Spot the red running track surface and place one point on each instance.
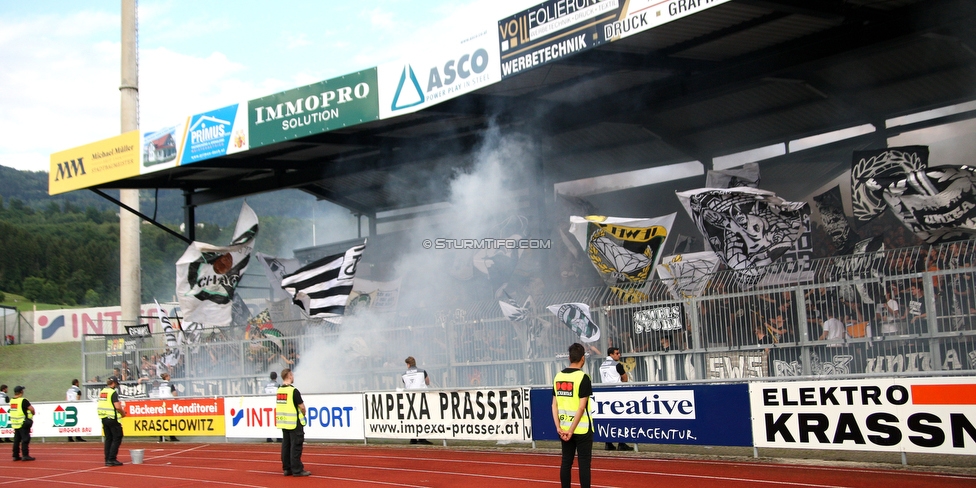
(342, 465)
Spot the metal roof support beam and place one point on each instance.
(140, 215)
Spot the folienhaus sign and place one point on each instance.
(327, 105)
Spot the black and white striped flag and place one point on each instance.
(322, 287)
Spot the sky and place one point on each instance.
(60, 59)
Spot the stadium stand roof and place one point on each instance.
(742, 75)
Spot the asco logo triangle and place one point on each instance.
(412, 97)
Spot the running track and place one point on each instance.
(258, 465)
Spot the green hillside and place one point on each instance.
(45, 369)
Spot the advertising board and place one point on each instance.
(713, 415)
(484, 414)
(919, 415)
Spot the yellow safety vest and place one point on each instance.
(287, 415)
(17, 413)
(566, 388)
(106, 408)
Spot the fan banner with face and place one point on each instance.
(937, 204)
(868, 168)
(207, 275)
(746, 175)
(378, 296)
(576, 316)
(687, 275)
(622, 250)
(834, 220)
(748, 228)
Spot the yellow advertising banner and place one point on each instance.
(107, 160)
(191, 417)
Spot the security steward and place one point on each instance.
(110, 411)
(572, 389)
(21, 419)
(290, 418)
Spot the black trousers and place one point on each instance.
(581, 446)
(22, 438)
(292, 442)
(113, 438)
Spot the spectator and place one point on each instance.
(612, 371)
(74, 395)
(415, 379)
(916, 314)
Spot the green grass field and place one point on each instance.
(45, 369)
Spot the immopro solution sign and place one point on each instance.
(327, 105)
(930, 415)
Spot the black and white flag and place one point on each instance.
(576, 316)
(687, 275)
(748, 228)
(274, 269)
(746, 175)
(207, 275)
(322, 287)
(937, 204)
(870, 168)
(622, 250)
(834, 220)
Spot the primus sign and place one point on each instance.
(312, 109)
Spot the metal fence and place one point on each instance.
(895, 312)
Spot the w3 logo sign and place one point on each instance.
(65, 417)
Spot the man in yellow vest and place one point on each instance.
(572, 389)
(21, 419)
(290, 418)
(110, 411)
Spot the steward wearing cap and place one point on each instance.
(21, 419)
(110, 411)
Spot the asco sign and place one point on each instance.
(427, 79)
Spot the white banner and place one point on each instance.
(484, 414)
(919, 415)
(64, 419)
(67, 325)
(332, 417)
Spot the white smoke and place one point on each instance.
(482, 195)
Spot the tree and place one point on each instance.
(33, 287)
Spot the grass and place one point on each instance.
(45, 369)
(24, 305)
